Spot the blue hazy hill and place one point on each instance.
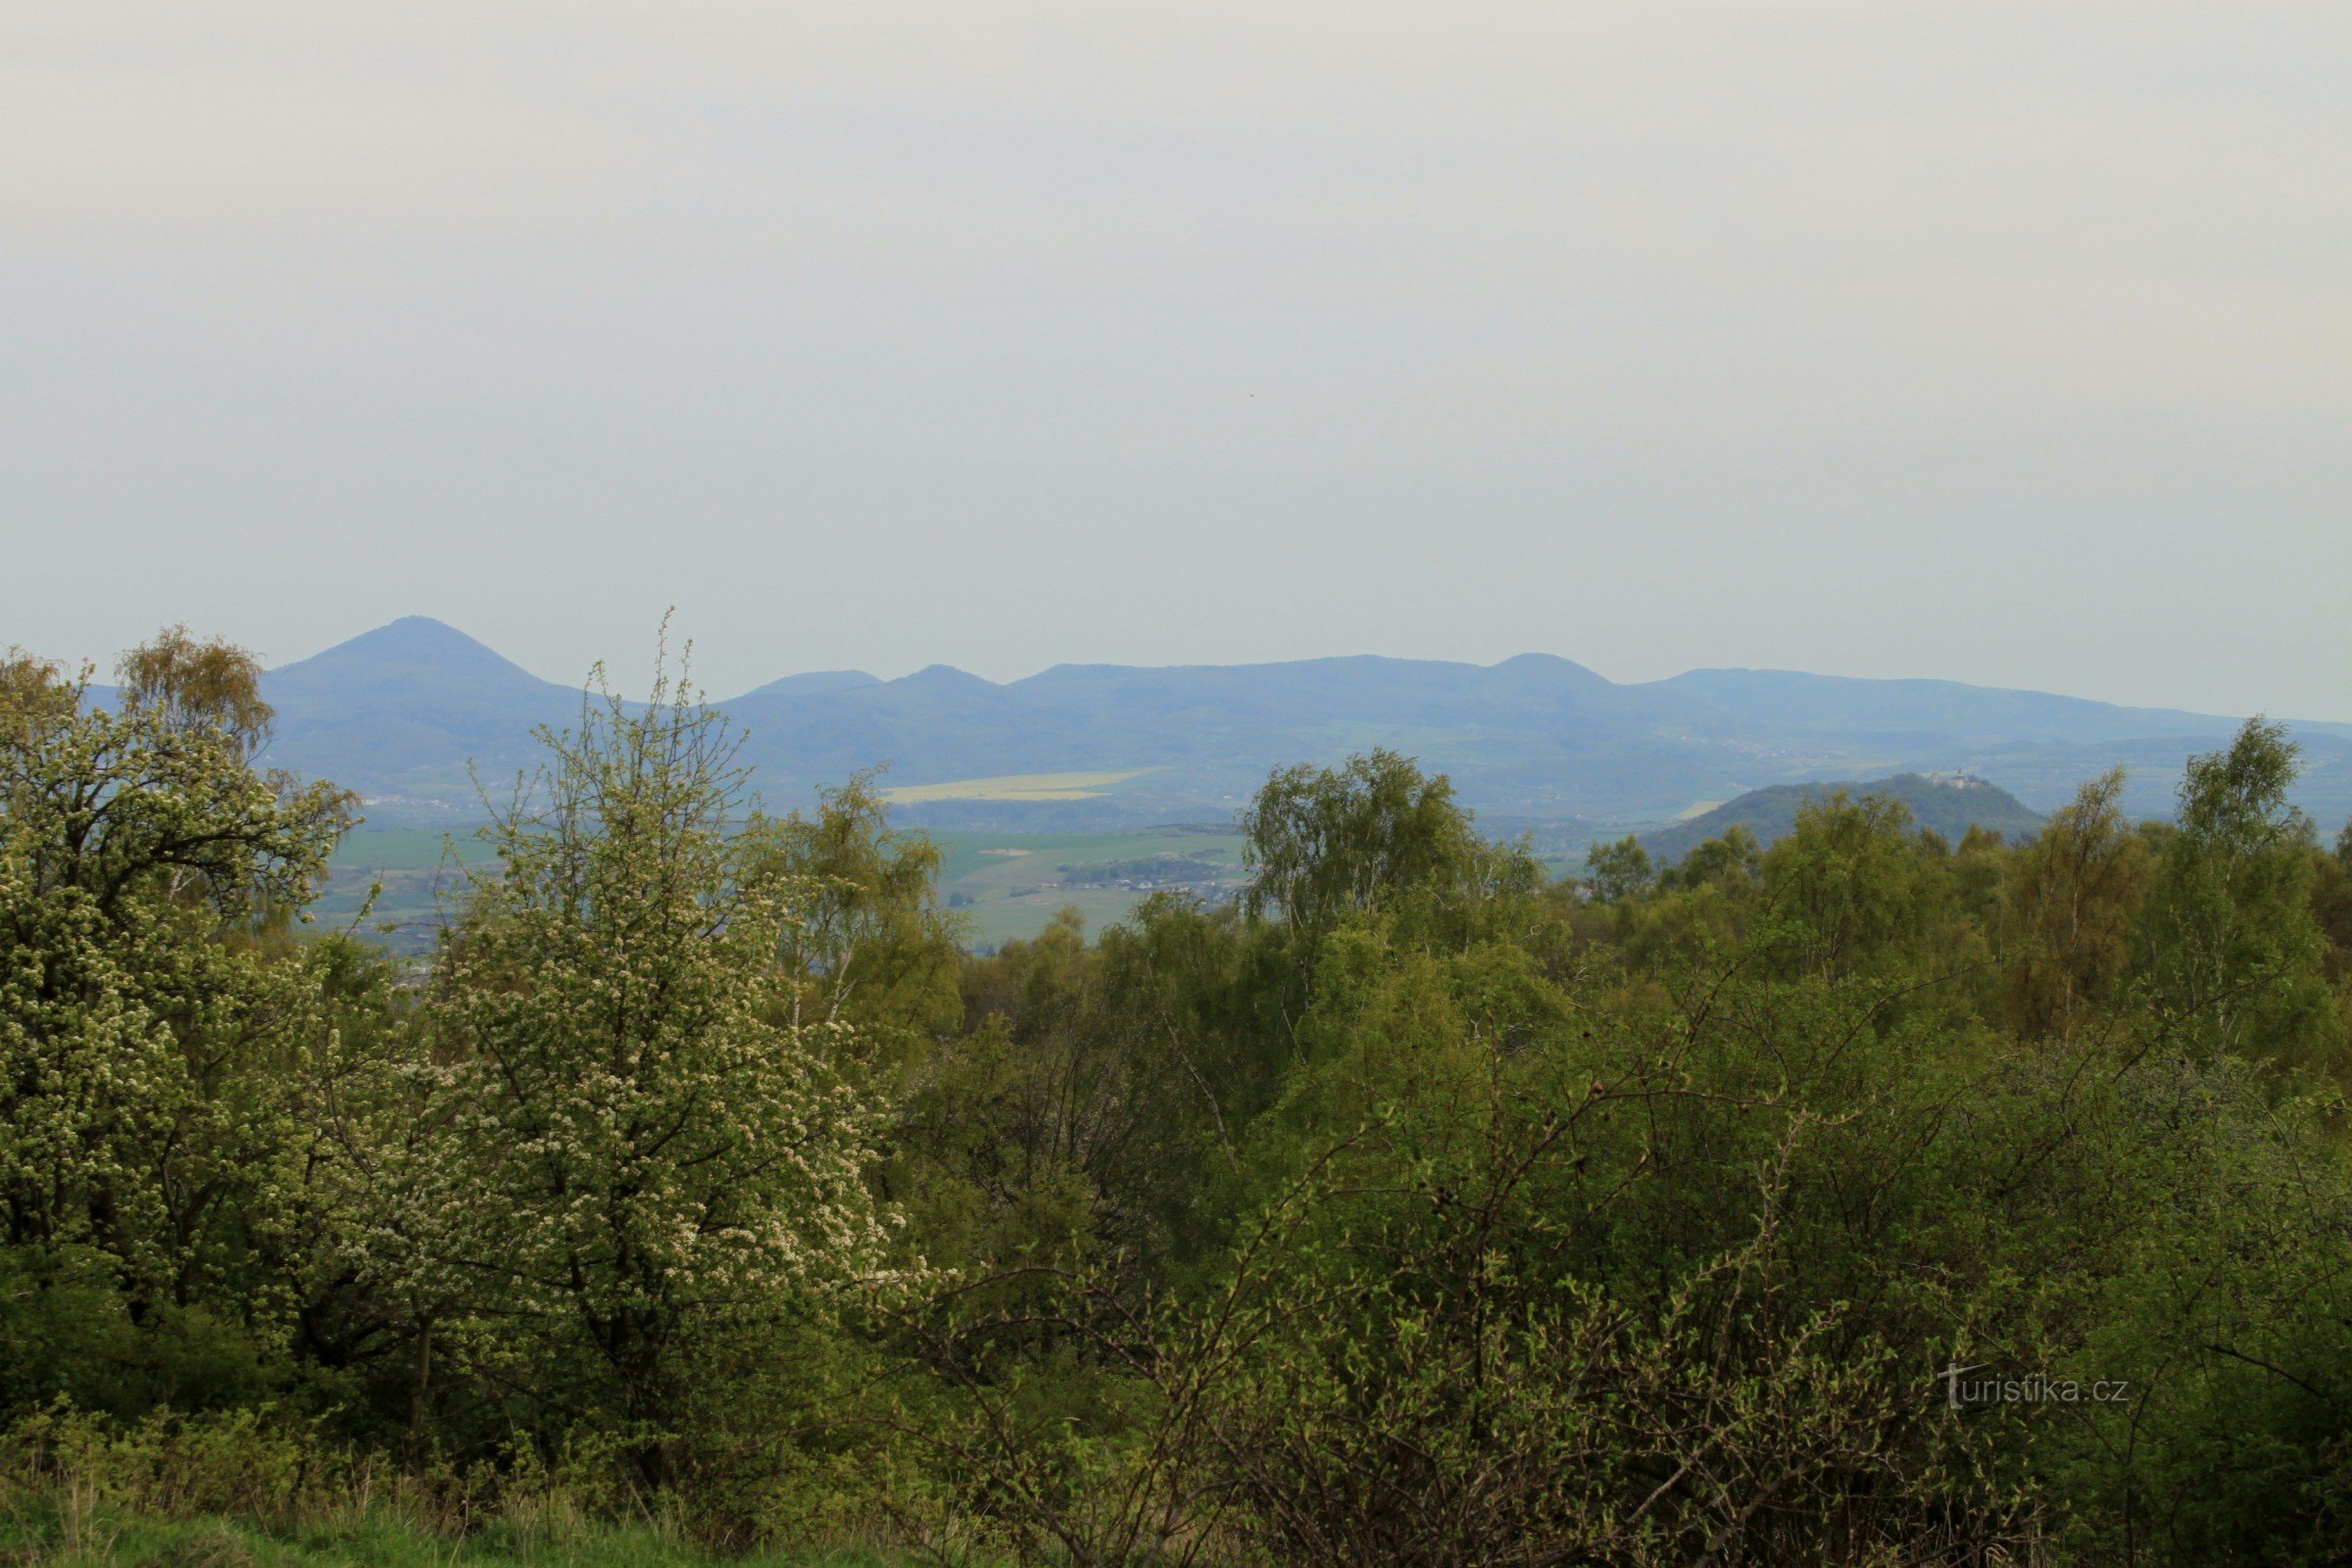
(398, 713)
(817, 682)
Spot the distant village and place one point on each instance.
(1205, 876)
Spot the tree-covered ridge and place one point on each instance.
(1415, 1207)
(1949, 806)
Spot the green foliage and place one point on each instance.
(1618, 871)
(2071, 906)
(199, 687)
(866, 934)
(700, 1195)
(1732, 860)
(634, 1142)
(1944, 805)
(1850, 888)
(153, 1020)
(247, 1489)
(1324, 843)
(2238, 958)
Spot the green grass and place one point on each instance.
(406, 849)
(969, 862)
(418, 867)
(1010, 885)
(108, 1539)
(989, 926)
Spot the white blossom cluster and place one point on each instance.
(150, 1032)
(624, 1131)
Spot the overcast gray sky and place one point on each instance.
(2004, 342)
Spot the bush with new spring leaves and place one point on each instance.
(1414, 1209)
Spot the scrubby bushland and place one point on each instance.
(1418, 1209)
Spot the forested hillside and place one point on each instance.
(1950, 806)
(1875, 1197)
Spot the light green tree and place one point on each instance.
(1847, 883)
(2071, 900)
(1324, 841)
(869, 943)
(153, 1020)
(637, 1148)
(2236, 956)
(1616, 873)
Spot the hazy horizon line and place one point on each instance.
(687, 644)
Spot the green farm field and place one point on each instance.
(1008, 886)
(419, 872)
(407, 848)
(1013, 786)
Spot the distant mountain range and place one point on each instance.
(1536, 741)
(1948, 803)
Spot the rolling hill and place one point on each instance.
(1533, 742)
(1949, 806)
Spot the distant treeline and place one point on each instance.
(1872, 1197)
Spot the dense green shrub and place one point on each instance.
(1414, 1210)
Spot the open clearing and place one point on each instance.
(419, 877)
(1010, 886)
(407, 848)
(1012, 787)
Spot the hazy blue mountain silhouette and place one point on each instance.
(815, 682)
(400, 710)
(398, 713)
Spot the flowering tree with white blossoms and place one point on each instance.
(153, 1018)
(637, 1146)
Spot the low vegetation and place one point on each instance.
(1874, 1198)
